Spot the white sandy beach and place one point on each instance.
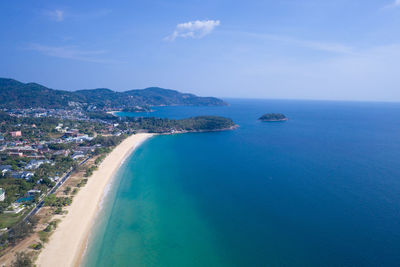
(66, 245)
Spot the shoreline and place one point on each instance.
(234, 127)
(113, 112)
(67, 244)
(286, 119)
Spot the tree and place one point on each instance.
(22, 259)
(20, 231)
(33, 220)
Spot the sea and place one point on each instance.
(322, 189)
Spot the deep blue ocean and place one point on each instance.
(322, 189)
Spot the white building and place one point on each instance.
(22, 175)
(34, 164)
(15, 208)
(2, 194)
(5, 168)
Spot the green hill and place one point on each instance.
(14, 94)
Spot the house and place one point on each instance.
(15, 208)
(33, 192)
(16, 154)
(82, 137)
(85, 149)
(5, 168)
(2, 194)
(78, 155)
(16, 133)
(35, 156)
(34, 164)
(62, 152)
(23, 149)
(22, 175)
(72, 132)
(59, 127)
(54, 179)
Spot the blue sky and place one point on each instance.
(309, 49)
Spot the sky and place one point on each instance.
(287, 49)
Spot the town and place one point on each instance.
(39, 151)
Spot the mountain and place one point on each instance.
(155, 96)
(14, 94)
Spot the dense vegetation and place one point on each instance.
(195, 124)
(273, 117)
(14, 94)
(107, 141)
(138, 109)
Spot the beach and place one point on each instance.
(67, 244)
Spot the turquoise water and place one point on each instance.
(322, 189)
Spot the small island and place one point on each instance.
(273, 117)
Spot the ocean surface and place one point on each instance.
(322, 189)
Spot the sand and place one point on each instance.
(67, 244)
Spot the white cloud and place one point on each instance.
(70, 52)
(57, 15)
(193, 29)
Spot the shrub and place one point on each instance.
(22, 259)
(37, 246)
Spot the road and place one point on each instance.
(59, 183)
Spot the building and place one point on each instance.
(22, 175)
(15, 208)
(16, 133)
(78, 155)
(33, 192)
(54, 179)
(34, 164)
(72, 132)
(16, 154)
(62, 152)
(5, 168)
(2, 194)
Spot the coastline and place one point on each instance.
(234, 127)
(67, 244)
(286, 119)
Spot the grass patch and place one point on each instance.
(9, 219)
(44, 236)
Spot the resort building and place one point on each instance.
(16, 133)
(15, 208)
(33, 192)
